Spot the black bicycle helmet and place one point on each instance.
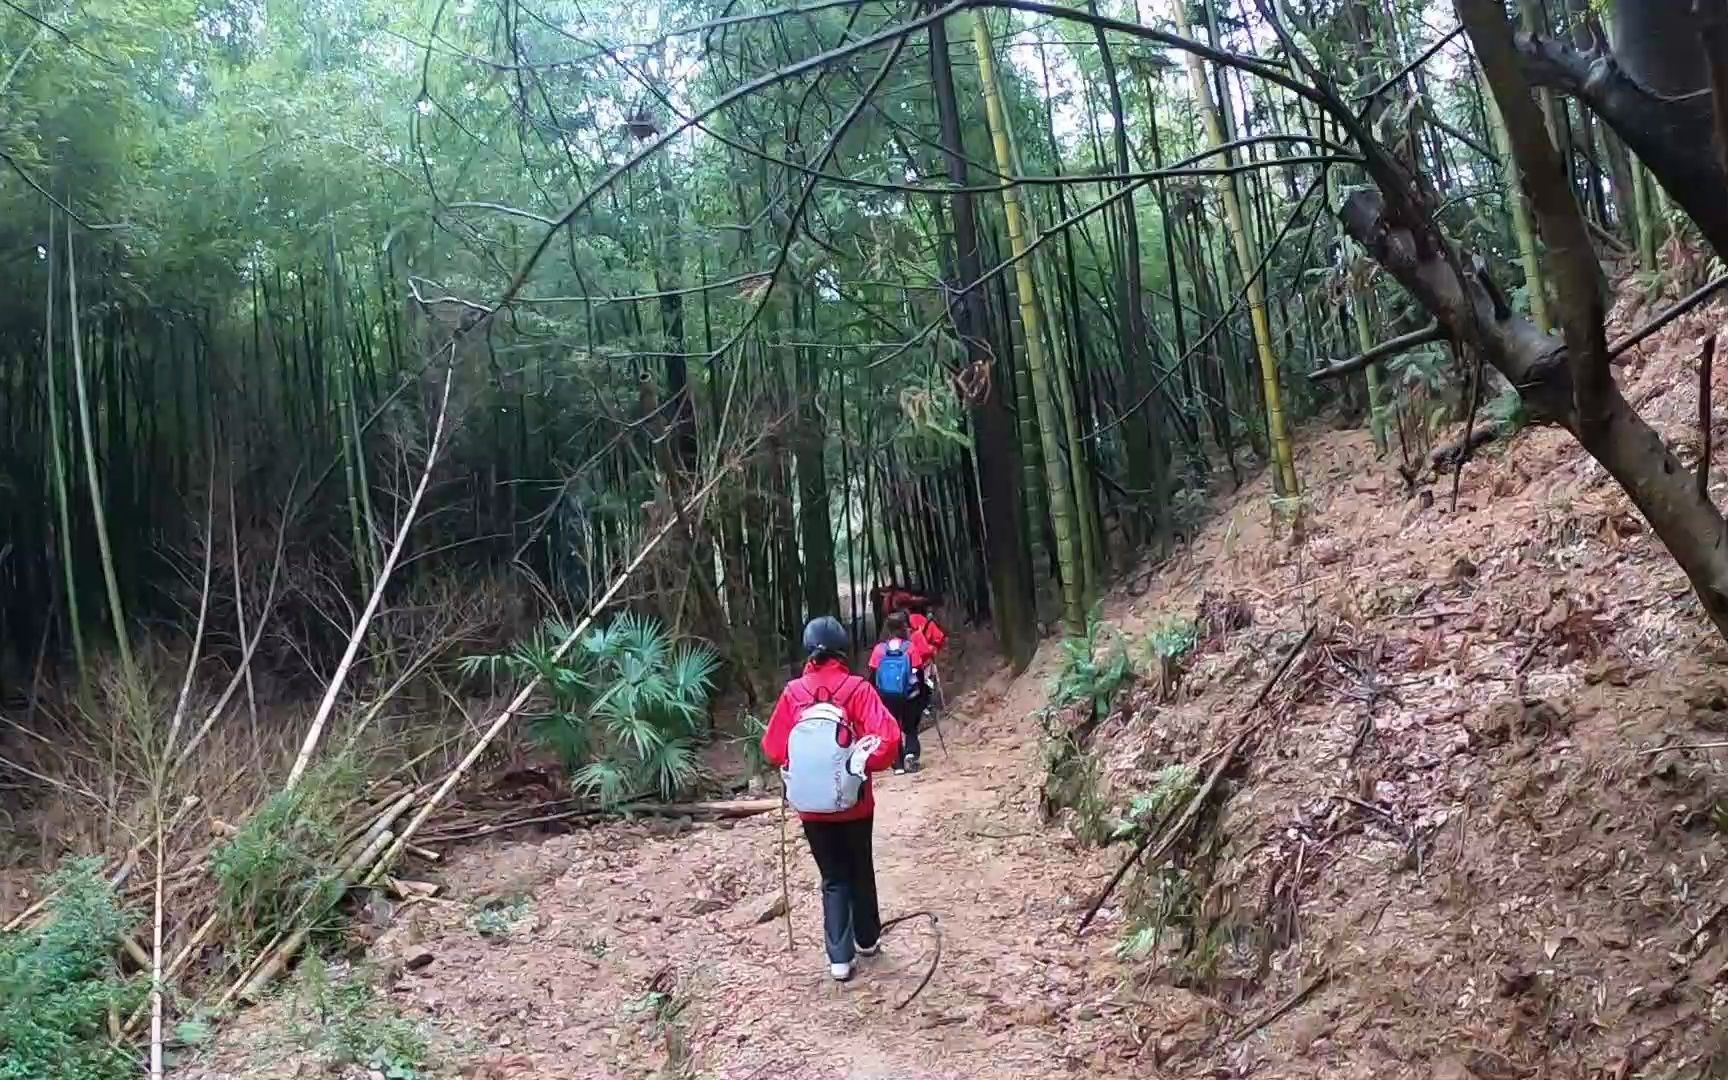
(824, 636)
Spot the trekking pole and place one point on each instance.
(785, 891)
(941, 707)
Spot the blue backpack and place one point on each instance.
(894, 674)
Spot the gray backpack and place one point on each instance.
(817, 780)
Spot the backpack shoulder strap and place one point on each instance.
(851, 686)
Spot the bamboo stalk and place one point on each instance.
(239, 594)
(340, 678)
(57, 439)
(1061, 491)
(1277, 433)
(156, 1064)
(92, 475)
(185, 695)
(1522, 230)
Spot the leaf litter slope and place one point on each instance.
(1453, 854)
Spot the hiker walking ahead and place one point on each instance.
(931, 638)
(898, 662)
(923, 626)
(829, 732)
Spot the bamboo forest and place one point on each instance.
(732, 539)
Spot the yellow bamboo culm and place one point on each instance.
(1521, 226)
(1062, 517)
(1284, 460)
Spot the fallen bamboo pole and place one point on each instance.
(296, 941)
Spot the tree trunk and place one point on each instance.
(1044, 386)
(1283, 459)
(1664, 491)
(1673, 137)
(1656, 42)
(810, 462)
(1013, 606)
(1147, 467)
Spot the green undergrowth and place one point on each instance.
(1095, 667)
(345, 1022)
(59, 984)
(278, 872)
(1174, 638)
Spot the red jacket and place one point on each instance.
(920, 650)
(864, 710)
(934, 636)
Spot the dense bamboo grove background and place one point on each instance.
(243, 236)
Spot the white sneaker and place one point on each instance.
(841, 972)
(871, 951)
(912, 763)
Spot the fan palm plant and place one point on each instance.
(624, 711)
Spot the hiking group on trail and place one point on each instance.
(830, 732)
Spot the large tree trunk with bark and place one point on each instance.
(1664, 491)
(1656, 43)
(1674, 137)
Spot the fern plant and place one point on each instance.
(1174, 637)
(624, 710)
(1095, 666)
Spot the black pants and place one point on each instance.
(850, 916)
(908, 710)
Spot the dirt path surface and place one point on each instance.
(617, 918)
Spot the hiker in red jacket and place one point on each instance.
(924, 627)
(829, 732)
(897, 664)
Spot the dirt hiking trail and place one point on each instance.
(653, 950)
(617, 918)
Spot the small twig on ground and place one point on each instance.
(1302, 994)
(1708, 924)
(1368, 806)
(505, 826)
(935, 957)
(1463, 834)
(1638, 1055)
(1683, 746)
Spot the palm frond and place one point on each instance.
(673, 768)
(624, 711)
(602, 780)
